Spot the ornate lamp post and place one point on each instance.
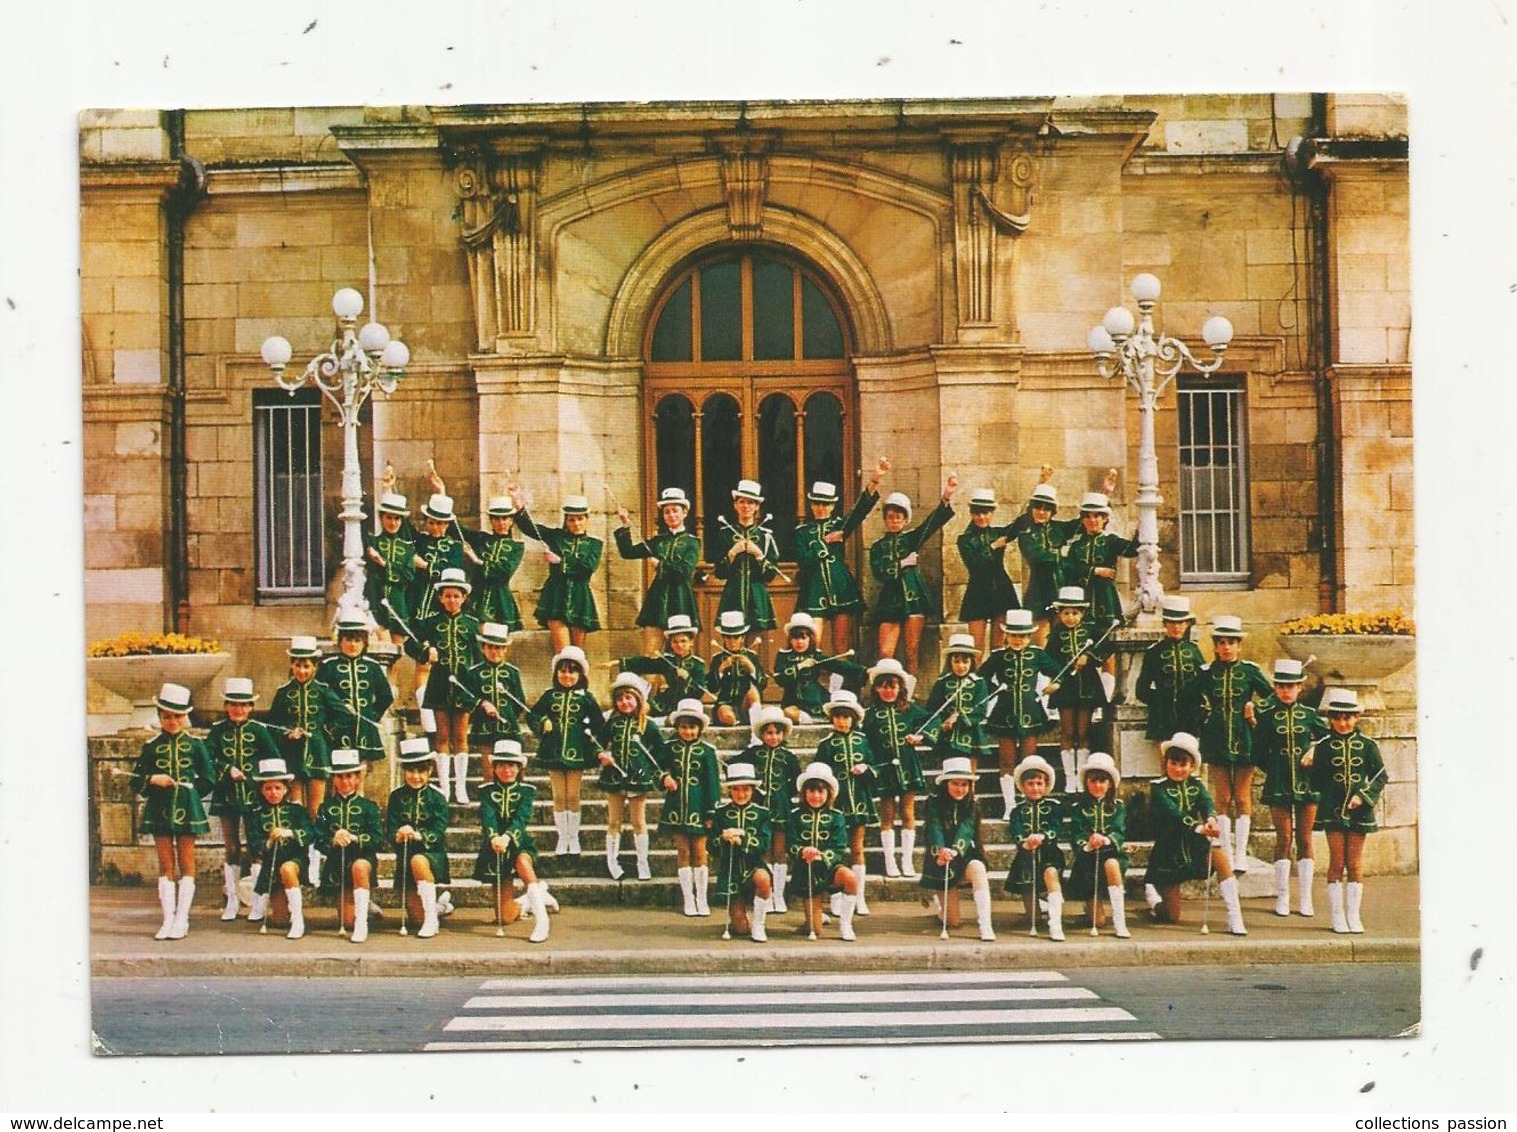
(358, 362)
(1127, 348)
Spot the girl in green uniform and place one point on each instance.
(438, 548)
(416, 824)
(737, 674)
(1016, 716)
(1349, 775)
(1091, 557)
(746, 558)
(567, 606)
(1098, 831)
(826, 587)
(1185, 822)
(776, 767)
(567, 719)
(818, 840)
(349, 832)
(805, 674)
(363, 685)
(172, 771)
(1285, 732)
(390, 569)
(236, 745)
(676, 673)
(1168, 668)
(1036, 826)
(989, 592)
(676, 554)
(692, 784)
(506, 845)
(889, 725)
(955, 851)
(500, 553)
(284, 832)
(740, 830)
(1039, 541)
(1079, 651)
(846, 751)
(632, 761)
(956, 707)
(904, 600)
(499, 698)
(447, 645)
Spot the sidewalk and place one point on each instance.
(613, 940)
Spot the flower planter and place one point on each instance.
(138, 678)
(1355, 661)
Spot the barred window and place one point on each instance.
(287, 493)
(1213, 484)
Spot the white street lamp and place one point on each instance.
(357, 363)
(1127, 348)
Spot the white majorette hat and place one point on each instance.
(749, 489)
(174, 699)
(741, 774)
(1288, 671)
(1101, 761)
(900, 501)
(800, 619)
(272, 770)
(957, 767)
(453, 578)
(439, 507)
(673, 497)
(889, 666)
(509, 751)
(1176, 608)
(632, 682)
(238, 690)
(817, 772)
(732, 623)
(770, 713)
(1072, 597)
(303, 648)
(982, 499)
(960, 643)
(494, 633)
(1186, 743)
(1033, 764)
(342, 760)
(1044, 494)
(823, 492)
(688, 709)
(415, 751)
(1018, 621)
(679, 623)
(1095, 501)
(1227, 625)
(351, 625)
(1340, 701)
(576, 505)
(844, 700)
(500, 507)
(393, 503)
(571, 654)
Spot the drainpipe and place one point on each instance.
(1317, 189)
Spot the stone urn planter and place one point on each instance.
(138, 678)
(1354, 661)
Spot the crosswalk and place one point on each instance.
(785, 1010)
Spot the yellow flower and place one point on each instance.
(133, 643)
(1392, 624)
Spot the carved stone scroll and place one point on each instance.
(497, 210)
(992, 195)
(745, 177)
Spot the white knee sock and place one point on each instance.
(887, 843)
(1244, 823)
(908, 846)
(1305, 866)
(1283, 887)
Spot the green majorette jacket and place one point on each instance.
(903, 593)
(745, 577)
(639, 750)
(797, 673)
(1018, 709)
(672, 590)
(1083, 555)
(1179, 852)
(1168, 668)
(504, 809)
(965, 697)
(777, 768)
(1039, 545)
(497, 684)
(989, 593)
(455, 636)
(425, 811)
(1215, 699)
(1346, 767)
(566, 594)
(899, 764)
(825, 586)
(572, 720)
(950, 825)
(822, 829)
(1082, 688)
(316, 709)
(679, 678)
(1084, 816)
(729, 679)
(358, 815)
(363, 685)
(243, 746)
(843, 752)
(735, 864)
(273, 853)
(500, 557)
(697, 789)
(1282, 735)
(435, 555)
(1046, 816)
(391, 582)
(177, 808)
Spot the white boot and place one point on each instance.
(540, 924)
(561, 824)
(1240, 842)
(461, 778)
(687, 890)
(1118, 898)
(1304, 869)
(231, 874)
(908, 847)
(760, 910)
(297, 913)
(549, 901)
(1082, 756)
(252, 882)
(1008, 794)
(445, 902)
(640, 843)
(313, 863)
(360, 915)
(700, 880)
(1229, 891)
(259, 908)
(442, 762)
(613, 848)
(887, 843)
(427, 890)
(1056, 916)
(426, 716)
(1067, 760)
(845, 916)
(1355, 899)
(166, 902)
(1335, 907)
(1151, 897)
(777, 900)
(1224, 838)
(982, 912)
(571, 819)
(835, 904)
(860, 874)
(1283, 887)
(181, 926)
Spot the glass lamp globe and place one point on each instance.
(1145, 288)
(276, 352)
(373, 337)
(347, 303)
(395, 356)
(1217, 332)
(1099, 341)
(1118, 322)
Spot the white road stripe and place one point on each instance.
(727, 1043)
(799, 995)
(529, 985)
(828, 1021)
